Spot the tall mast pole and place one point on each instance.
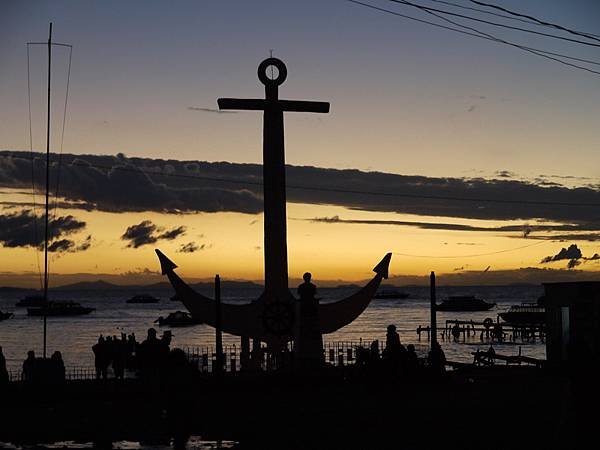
(47, 189)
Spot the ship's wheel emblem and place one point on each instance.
(278, 317)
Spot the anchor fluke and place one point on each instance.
(383, 267)
(166, 265)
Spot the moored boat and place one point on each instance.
(177, 319)
(31, 301)
(459, 303)
(5, 315)
(143, 298)
(525, 314)
(60, 309)
(390, 295)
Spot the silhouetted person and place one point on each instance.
(437, 359)
(498, 332)
(309, 344)
(375, 351)
(119, 357)
(3, 371)
(29, 367)
(395, 352)
(131, 351)
(412, 360)
(57, 367)
(456, 332)
(101, 358)
(163, 350)
(179, 383)
(149, 355)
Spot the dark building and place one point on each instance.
(573, 320)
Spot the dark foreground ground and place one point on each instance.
(483, 408)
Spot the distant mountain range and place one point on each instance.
(101, 285)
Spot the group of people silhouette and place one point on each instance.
(147, 357)
(47, 370)
(397, 359)
(112, 350)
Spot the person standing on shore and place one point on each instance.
(29, 367)
(309, 344)
(101, 358)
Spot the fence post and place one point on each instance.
(433, 309)
(218, 328)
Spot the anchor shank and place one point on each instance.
(275, 217)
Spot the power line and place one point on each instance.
(62, 136)
(496, 39)
(538, 52)
(475, 255)
(496, 24)
(541, 22)
(34, 219)
(456, 5)
(84, 164)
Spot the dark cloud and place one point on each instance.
(61, 245)
(573, 252)
(211, 110)
(140, 234)
(24, 229)
(191, 247)
(146, 232)
(172, 234)
(121, 184)
(191, 186)
(86, 244)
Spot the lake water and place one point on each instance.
(74, 336)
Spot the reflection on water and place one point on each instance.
(74, 336)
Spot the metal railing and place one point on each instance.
(204, 358)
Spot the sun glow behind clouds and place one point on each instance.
(231, 244)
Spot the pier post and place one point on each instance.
(218, 326)
(433, 309)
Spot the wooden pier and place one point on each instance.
(487, 330)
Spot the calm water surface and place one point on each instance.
(74, 336)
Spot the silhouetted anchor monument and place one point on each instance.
(271, 317)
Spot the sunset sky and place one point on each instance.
(446, 115)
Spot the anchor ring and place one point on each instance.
(281, 68)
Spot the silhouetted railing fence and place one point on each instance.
(71, 373)
(335, 353)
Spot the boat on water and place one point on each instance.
(459, 303)
(5, 315)
(177, 319)
(31, 301)
(143, 298)
(60, 309)
(391, 295)
(525, 314)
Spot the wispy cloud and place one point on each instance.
(211, 110)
